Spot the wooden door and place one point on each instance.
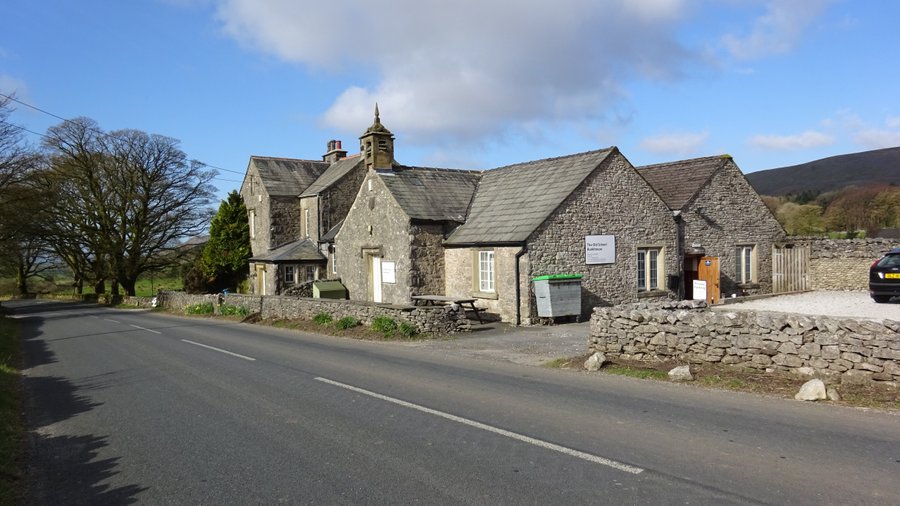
(709, 272)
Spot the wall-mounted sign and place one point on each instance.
(699, 290)
(388, 272)
(599, 249)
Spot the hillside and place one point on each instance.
(832, 173)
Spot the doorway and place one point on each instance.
(373, 264)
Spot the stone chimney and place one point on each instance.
(334, 153)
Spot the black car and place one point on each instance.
(884, 277)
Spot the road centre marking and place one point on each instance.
(220, 350)
(148, 330)
(478, 425)
(108, 320)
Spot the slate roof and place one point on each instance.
(511, 202)
(677, 182)
(329, 236)
(432, 194)
(287, 177)
(332, 175)
(303, 250)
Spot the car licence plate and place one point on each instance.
(892, 275)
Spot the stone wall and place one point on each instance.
(853, 350)
(429, 319)
(335, 202)
(614, 200)
(842, 264)
(426, 255)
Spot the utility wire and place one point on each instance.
(105, 134)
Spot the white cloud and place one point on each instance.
(12, 86)
(463, 70)
(777, 31)
(874, 138)
(806, 140)
(866, 134)
(680, 144)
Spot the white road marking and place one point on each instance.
(108, 320)
(238, 355)
(148, 330)
(478, 425)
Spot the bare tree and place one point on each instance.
(127, 196)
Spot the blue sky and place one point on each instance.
(466, 84)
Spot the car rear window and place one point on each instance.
(889, 261)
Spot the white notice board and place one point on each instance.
(599, 249)
(388, 272)
(699, 289)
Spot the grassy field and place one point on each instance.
(62, 286)
(12, 427)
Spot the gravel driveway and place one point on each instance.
(836, 304)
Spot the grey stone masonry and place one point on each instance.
(842, 264)
(852, 350)
(431, 319)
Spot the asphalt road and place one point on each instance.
(138, 407)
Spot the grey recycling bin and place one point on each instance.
(558, 295)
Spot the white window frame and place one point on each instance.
(290, 274)
(650, 260)
(486, 271)
(306, 222)
(252, 224)
(745, 264)
(334, 260)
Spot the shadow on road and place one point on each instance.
(61, 468)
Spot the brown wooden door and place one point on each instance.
(709, 272)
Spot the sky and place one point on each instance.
(471, 84)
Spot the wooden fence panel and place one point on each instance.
(790, 268)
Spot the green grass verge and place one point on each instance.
(12, 426)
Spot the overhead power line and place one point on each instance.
(14, 99)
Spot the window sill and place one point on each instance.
(485, 295)
(652, 294)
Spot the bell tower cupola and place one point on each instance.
(377, 145)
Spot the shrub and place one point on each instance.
(348, 322)
(322, 318)
(384, 324)
(200, 308)
(229, 310)
(407, 329)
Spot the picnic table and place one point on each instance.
(436, 300)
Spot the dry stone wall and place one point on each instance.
(853, 350)
(431, 319)
(843, 264)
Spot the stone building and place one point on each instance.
(292, 205)
(588, 214)
(484, 235)
(391, 232)
(390, 245)
(719, 216)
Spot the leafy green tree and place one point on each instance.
(225, 260)
(800, 219)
